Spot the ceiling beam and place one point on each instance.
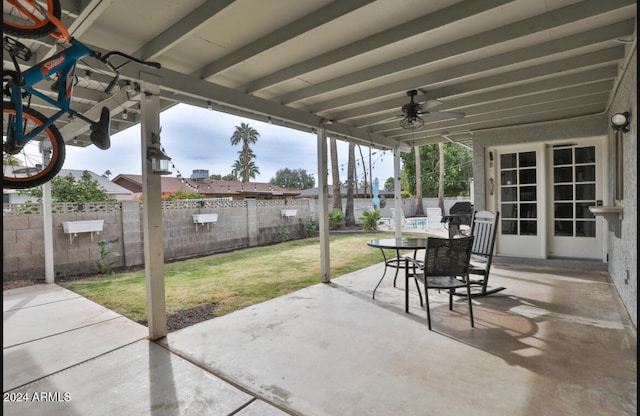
(415, 27)
(299, 26)
(466, 102)
(515, 76)
(177, 83)
(527, 27)
(180, 30)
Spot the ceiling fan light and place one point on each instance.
(412, 123)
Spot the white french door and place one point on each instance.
(543, 192)
(519, 175)
(574, 184)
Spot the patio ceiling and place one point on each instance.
(347, 65)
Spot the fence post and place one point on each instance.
(132, 242)
(252, 222)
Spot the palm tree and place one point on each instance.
(246, 135)
(239, 168)
(349, 216)
(335, 175)
(364, 170)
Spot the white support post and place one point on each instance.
(323, 202)
(396, 192)
(47, 216)
(152, 212)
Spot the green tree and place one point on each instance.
(68, 189)
(457, 170)
(10, 160)
(389, 184)
(293, 179)
(245, 135)
(229, 177)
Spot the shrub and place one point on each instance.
(310, 227)
(336, 219)
(370, 220)
(283, 234)
(104, 264)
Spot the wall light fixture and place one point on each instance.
(620, 121)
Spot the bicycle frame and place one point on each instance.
(65, 63)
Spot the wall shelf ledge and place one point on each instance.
(202, 219)
(613, 215)
(74, 227)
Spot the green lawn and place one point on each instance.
(235, 280)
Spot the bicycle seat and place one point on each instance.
(100, 131)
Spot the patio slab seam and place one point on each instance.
(256, 396)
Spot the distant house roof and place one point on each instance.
(109, 187)
(210, 188)
(113, 190)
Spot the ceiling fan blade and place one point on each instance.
(387, 120)
(444, 114)
(430, 104)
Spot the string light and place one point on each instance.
(194, 188)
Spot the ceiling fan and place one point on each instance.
(410, 118)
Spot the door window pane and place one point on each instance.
(582, 209)
(509, 211)
(510, 227)
(527, 159)
(563, 192)
(563, 157)
(563, 210)
(528, 228)
(528, 211)
(528, 193)
(586, 173)
(585, 228)
(508, 177)
(527, 176)
(563, 228)
(508, 194)
(586, 154)
(587, 191)
(563, 174)
(508, 161)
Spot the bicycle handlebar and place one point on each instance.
(105, 59)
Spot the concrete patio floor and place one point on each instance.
(555, 342)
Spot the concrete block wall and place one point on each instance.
(240, 224)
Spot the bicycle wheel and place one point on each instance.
(27, 167)
(26, 19)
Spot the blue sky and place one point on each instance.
(196, 138)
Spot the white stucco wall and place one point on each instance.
(622, 257)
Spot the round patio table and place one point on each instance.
(397, 244)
